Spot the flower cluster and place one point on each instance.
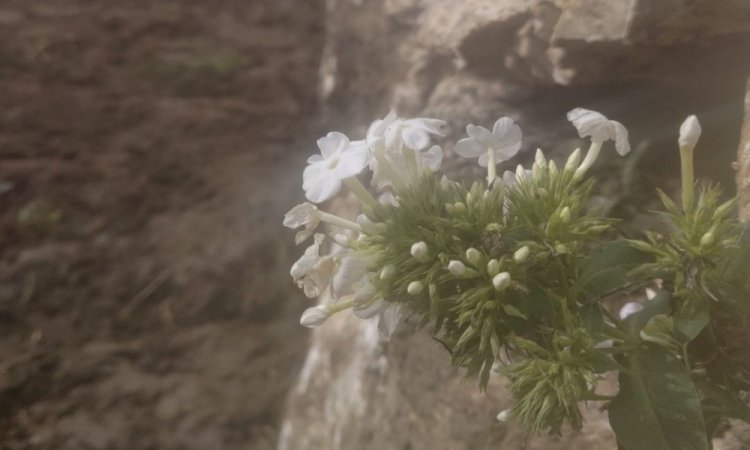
(514, 271)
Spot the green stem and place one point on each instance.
(491, 169)
(688, 176)
(338, 221)
(333, 308)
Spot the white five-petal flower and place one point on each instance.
(491, 147)
(312, 272)
(339, 159)
(304, 215)
(600, 129)
(400, 150)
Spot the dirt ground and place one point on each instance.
(148, 150)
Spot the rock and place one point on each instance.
(743, 159)
(647, 64)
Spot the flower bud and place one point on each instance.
(708, 238)
(520, 173)
(469, 198)
(415, 288)
(501, 281)
(539, 158)
(573, 160)
(419, 250)
(565, 215)
(522, 254)
(315, 316)
(690, 131)
(493, 267)
(503, 416)
(459, 207)
(474, 256)
(450, 208)
(388, 272)
(552, 168)
(456, 267)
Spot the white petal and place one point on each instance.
(506, 152)
(300, 215)
(484, 159)
(432, 126)
(469, 148)
(415, 138)
(387, 198)
(630, 308)
(319, 183)
(481, 134)
(690, 132)
(315, 316)
(591, 123)
(389, 320)
(352, 161)
(621, 138)
(433, 158)
(349, 272)
(332, 143)
(314, 158)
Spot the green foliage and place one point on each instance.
(678, 378)
(657, 407)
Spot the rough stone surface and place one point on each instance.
(743, 158)
(648, 64)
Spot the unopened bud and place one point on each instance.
(469, 198)
(565, 214)
(456, 267)
(690, 131)
(415, 288)
(473, 255)
(539, 158)
(315, 316)
(522, 254)
(388, 272)
(459, 207)
(573, 160)
(493, 267)
(553, 170)
(450, 208)
(520, 173)
(708, 238)
(501, 281)
(503, 416)
(419, 250)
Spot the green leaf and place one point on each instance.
(657, 407)
(691, 318)
(607, 267)
(655, 306)
(592, 318)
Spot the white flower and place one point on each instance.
(312, 272)
(366, 305)
(473, 255)
(391, 133)
(629, 309)
(339, 159)
(350, 271)
(600, 129)
(305, 215)
(315, 316)
(496, 146)
(503, 416)
(690, 132)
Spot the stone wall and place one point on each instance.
(647, 64)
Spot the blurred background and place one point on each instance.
(148, 151)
